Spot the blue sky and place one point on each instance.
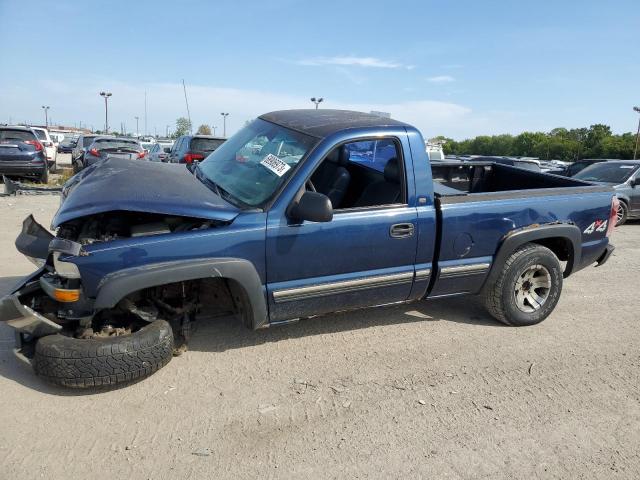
(454, 68)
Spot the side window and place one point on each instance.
(367, 173)
(372, 153)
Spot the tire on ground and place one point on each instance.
(44, 176)
(499, 297)
(104, 362)
(622, 213)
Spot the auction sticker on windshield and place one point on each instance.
(274, 164)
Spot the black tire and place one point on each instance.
(623, 212)
(44, 176)
(109, 362)
(76, 166)
(500, 296)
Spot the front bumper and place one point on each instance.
(24, 319)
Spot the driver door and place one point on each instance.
(363, 257)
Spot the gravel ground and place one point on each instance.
(430, 390)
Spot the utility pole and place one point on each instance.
(46, 116)
(137, 129)
(184, 88)
(145, 112)
(106, 96)
(224, 123)
(167, 132)
(635, 152)
(317, 101)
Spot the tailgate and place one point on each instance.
(12, 152)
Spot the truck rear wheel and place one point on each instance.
(527, 288)
(104, 362)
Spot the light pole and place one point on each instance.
(46, 116)
(214, 130)
(224, 123)
(317, 101)
(167, 131)
(106, 96)
(635, 152)
(137, 129)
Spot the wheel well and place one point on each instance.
(560, 246)
(210, 296)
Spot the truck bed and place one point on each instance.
(480, 203)
(461, 179)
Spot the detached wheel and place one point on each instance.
(621, 213)
(528, 287)
(99, 362)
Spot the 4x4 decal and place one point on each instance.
(597, 226)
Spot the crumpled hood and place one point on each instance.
(140, 186)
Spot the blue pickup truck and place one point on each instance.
(292, 217)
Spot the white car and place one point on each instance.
(56, 137)
(49, 148)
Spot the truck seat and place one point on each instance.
(383, 192)
(332, 178)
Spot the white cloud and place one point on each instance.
(76, 101)
(441, 79)
(367, 62)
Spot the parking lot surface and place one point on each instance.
(428, 390)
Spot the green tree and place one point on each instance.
(183, 126)
(560, 143)
(204, 129)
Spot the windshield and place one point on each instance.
(199, 144)
(252, 164)
(607, 172)
(116, 144)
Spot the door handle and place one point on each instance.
(401, 230)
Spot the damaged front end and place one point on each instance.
(52, 299)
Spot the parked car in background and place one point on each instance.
(624, 176)
(528, 164)
(113, 147)
(80, 149)
(159, 152)
(147, 145)
(579, 165)
(22, 154)
(57, 137)
(49, 148)
(435, 151)
(193, 147)
(66, 146)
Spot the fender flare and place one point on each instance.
(117, 285)
(516, 238)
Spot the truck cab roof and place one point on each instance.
(322, 123)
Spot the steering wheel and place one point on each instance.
(310, 186)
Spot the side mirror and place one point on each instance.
(312, 206)
(167, 149)
(634, 182)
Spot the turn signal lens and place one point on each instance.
(63, 295)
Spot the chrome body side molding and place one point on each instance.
(324, 289)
